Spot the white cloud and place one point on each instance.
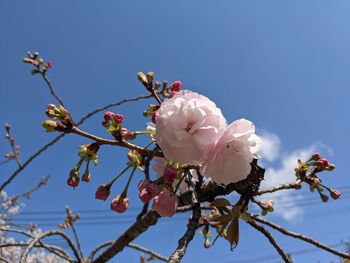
(275, 176)
(270, 146)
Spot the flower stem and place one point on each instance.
(125, 191)
(118, 176)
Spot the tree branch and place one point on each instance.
(273, 242)
(129, 235)
(188, 236)
(148, 251)
(47, 234)
(302, 237)
(296, 185)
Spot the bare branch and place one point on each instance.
(148, 251)
(122, 143)
(30, 159)
(273, 242)
(56, 139)
(296, 185)
(302, 237)
(47, 234)
(131, 245)
(15, 151)
(52, 90)
(188, 236)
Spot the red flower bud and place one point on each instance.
(108, 116)
(316, 156)
(324, 198)
(73, 179)
(103, 191)
(120, 204)
(323, 162)
(118, 118)
(170, 175)
(86, 177)
(335, 194)
(176, 86)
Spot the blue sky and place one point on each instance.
(285, 65)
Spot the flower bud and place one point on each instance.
(335, 194)
(154, 115)
(176, 86)
(102, 192)
(49, 125)
(324, 198)
(108, 115)
(120, 204)
(316, 156)
(323, 162)
(118, 118)
(170, 175)
(86, 176)
(142, 78)
(73, 179)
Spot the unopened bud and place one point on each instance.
(335, 194)
(86, 176)
(324, 198)
(73, 179)
(142, 78)
(50, 126)
(120, 204)
(102, 192)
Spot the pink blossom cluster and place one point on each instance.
(192, 130)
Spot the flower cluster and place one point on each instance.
(192, 130)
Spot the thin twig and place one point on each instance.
(131, 245)
(29, 160)
(123, 143)
(188, 236)
(77, 240)
(302, 237)
(56, 139)
(273, 242)
(52, 90)
(47, 234)
(53, 249)
(11, 140)
(148, 251)
(296, 185)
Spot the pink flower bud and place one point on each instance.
(316, 156)
(176, 86)
(118, 118)
(324, 198)
(120, 204)
(148, 190)
(108, 116)
(49, 64)
(323, 162)
(73, 179)
(143, 184)
(170, 175)
(165, 204)
(103, 191)
(145, 196)
(86, 177)
(335, 194)
(51, 106)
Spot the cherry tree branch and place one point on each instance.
(271, 239)
(57, 138)
(188, 236)
(129, 235)
(122, 143)
(295, 185)
(131, 245)
(301, 237)
(47, 234)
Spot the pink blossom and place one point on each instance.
(188, 127)
(230, 160)
(120, 204)
(165, 204)
(159, 166)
